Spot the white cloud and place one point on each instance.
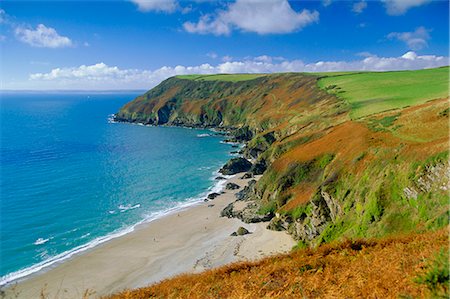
(212, 55)
(4, 17)
(96, 72)
(167, 6)
(327, 3)
(359, 7)
(42, 37)
(400, 7)
(227, 58)
(207, 24)
(262, 17)
(102, 76)
(365, 54)
(264, 58)
(415, 40)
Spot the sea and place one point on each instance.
(71, 178)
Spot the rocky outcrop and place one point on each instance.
(247, 211)
(259, 145)
(240, 232)
(333, 207)
(213, 195)
(247, 175)
(236, 165)
(253, 152)
(247, 192)
(242, 134)
(321, 211)
(232, 186)
(165, 112)
(247, 206)
(434, 177)
(312, 225)
(259, 167)
(228, 211)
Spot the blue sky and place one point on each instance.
(136, 44)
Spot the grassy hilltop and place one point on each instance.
(350, 155)
(370, 92)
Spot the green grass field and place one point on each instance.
(374, 92)
(221, 77)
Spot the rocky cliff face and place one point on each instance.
(322, 210)
(433, 178)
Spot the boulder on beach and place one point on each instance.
(212, 195)
(227, 211)
(232, 186)
(247, 175)
(240, 232)
(220, 178)
(247, 191)
(236, 165)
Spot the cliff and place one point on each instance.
(342, 161)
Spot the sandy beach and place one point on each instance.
(191, 240)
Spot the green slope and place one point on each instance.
(372, 92)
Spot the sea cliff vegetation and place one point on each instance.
(413, 266)
(346, 155)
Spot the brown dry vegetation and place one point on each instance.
(416, 128)
(416, 133)
(377, 268)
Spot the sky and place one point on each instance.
(135, 44)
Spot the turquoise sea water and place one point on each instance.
(70, 179)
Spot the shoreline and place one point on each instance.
(191, 239)
(41, 267)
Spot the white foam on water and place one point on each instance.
(41, 241)
(111, 119)
(123, 208)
